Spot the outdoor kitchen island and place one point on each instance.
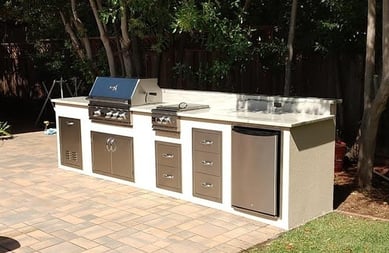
(304, 153)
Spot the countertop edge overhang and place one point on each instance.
(216, 114)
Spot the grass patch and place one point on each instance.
(334, 232)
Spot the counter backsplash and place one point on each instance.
(254, 103)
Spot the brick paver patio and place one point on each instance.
(46, 209)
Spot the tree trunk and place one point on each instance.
(136, 57)
(371, 116)
(370, 53)
(125, 41)
(289, 58)
(73, 37)
(82, 31)
(246, 6)
(104, 38)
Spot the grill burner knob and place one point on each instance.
(163, 120)
(97, 113)
(182, 105)
(167, 120)
(115, 115)
(109, 114)
(122, 116)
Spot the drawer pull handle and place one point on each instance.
(206, 142)
(70, 123)
(168, 156)
(167, 176)
(207, 163)
(206, 185)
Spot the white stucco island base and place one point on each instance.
(307, 133)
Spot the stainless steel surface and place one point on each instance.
(112, 155)
(182, 107)
(207, 186)
(255, 171)
(110, 114)
(165, 118)
(207, 141)
(110, 99)
(207, 164)
(70, 142)
(126, 91)
(168, 165)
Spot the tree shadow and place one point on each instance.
(344, 185)
(341, 192)
(22, 114)
(8, 244)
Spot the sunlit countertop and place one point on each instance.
(222, 109)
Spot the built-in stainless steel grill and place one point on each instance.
(165, 117)
(110, 99)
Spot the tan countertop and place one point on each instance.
(222, 109)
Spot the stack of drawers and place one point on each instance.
(207, 164)
(168, 164)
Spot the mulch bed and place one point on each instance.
(350, 199)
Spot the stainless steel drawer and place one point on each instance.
(209, 163)
(168, 154)
(207, 187)
(169, 178)
(206, 140)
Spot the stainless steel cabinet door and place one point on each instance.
(101, 155)
(122, 157)
(112, 155)
(255, 171)
(70, 142)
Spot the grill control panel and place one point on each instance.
(110, 115)
(164, 121)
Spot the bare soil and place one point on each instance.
(348, 198)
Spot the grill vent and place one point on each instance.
(71, 155)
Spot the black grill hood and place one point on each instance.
(125, 90)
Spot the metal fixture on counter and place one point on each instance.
(110, 99)
(165, 117)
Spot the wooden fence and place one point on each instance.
(331, 76)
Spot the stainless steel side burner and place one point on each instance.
(165, 117)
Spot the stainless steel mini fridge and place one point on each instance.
(255, 170)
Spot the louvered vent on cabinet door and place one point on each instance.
(71, 156)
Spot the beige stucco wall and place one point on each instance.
(311, 171)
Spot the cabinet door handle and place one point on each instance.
(206, 185)
(70, 123)
(113, 145)
(207, 163)
(108, 144)
(167, 176)
(168, 156)
(206, 142)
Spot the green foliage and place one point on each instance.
(271, 54)
(145, 18)
(217, 28)
(4, 129)
(228, 33)
(331, 26)
(332, 233)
